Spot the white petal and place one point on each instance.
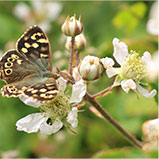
(153, 26)
(53, 10)
(29, 101)
(107, 62)
(76, 74)
(22, 11)
(78, 91)
(37, 6)
(72, 117)
(61, 82)
(128, 84)
(120, 51)
(146, 58)
(31, 123)
(112, 72)
(50, 129)
(145, 92)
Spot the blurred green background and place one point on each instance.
(95, 137)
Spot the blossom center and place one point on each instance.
(133, 67)
(57, 109)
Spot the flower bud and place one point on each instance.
(72, 27)
(79, 44)
(90, 68)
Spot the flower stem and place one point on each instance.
(107, 116)
(71, 57)
(77, 58)
(102, 92)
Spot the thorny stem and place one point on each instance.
(91, 99)
(102, 92)
(107, 116)
(71, 57)
(77, 58)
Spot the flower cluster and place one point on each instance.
(132, 70)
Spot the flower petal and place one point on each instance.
(145, 92)
(107, 62)
(22, 11)
(29, 101)
(128, 84)
(50, 129)
(112, 72)
(31, 123)
(61, 82)
(76, 74)
(146, 58)
(53, 10)
(78, 91)
(120, 51)
(72, 117)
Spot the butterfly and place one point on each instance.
(27, 70)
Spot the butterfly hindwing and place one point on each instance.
(41, 91)
(35, 45)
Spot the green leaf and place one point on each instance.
(139, 9)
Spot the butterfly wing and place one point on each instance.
(28, 70)
(14, 67)
(41, 90)
(35, 45)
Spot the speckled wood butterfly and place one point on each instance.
(28, 69)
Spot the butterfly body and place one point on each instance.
(28, 69)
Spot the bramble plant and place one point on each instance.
(57, 108)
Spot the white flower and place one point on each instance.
(153, 75)
(37, 121)
(90, 68)
(132, 68)
(120, 51)
(79, 88)
(78, 91)
(42, 13)
(41, 121)
(72, 117)
(127, 85)
(153, 23)
(151, 135)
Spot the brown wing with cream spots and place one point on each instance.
(43, 92)
(35, 45)
(14, 67)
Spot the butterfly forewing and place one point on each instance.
(14, 67)
(27, 70)
(35, 45)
